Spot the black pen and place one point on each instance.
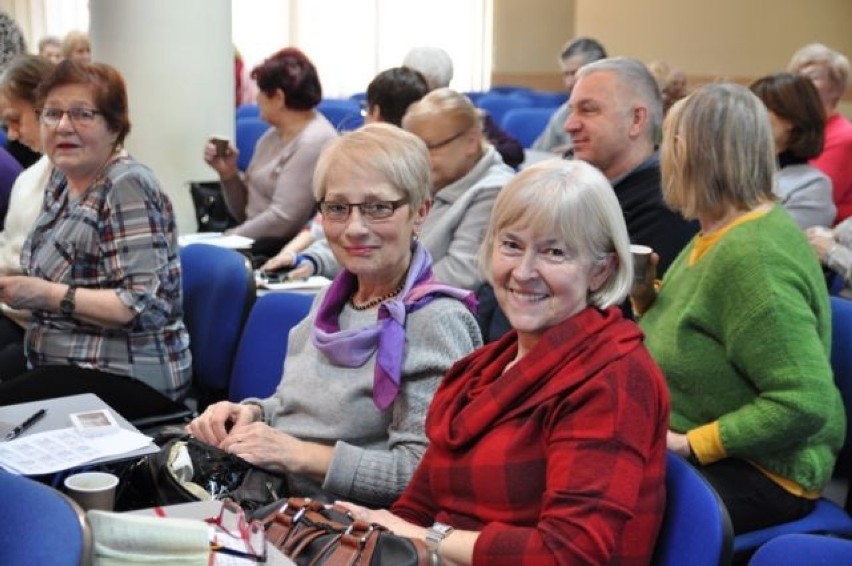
(16, 432)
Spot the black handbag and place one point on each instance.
(310, 533)
(163, 478)
(211, 212)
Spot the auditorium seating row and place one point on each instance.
(520, 111)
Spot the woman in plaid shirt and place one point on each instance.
(548, 445)
(101, 266)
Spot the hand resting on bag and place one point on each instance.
(258, 443)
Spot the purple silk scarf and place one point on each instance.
(352, 348)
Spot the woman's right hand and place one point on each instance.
(283, 259)
(225, 165)
(821, 240)
(213, 425)
(643, 293)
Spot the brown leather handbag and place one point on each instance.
(311, 534)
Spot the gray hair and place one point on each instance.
(588, 47)
(433, 63)
(399, 156)
(635, 78)
(573, 201)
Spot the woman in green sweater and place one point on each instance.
(741, 323)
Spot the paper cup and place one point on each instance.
(92, 490)
(641, 259)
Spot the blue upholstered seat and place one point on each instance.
(696, 529)
(218, 292)
(526, 124)
(248, 131)
(827, 517)
(40, 525)
(260, 355)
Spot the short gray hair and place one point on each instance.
(575, 202)
(588, 47)
(400, 157)
(433, 63)
(635, 78)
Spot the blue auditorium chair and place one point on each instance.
(827, 517)
(526, 124)
(260, 355)
(696, 530)
(40, 525)
(248, 111)
(343, 113)
(803, 550)
(248, 131)
(497, 105)
(218, 293)
(547, 99)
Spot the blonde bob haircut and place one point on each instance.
(444, 104)
(398, 156)
(717, 152)
(574, 202)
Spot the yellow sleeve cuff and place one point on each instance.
(706, 443)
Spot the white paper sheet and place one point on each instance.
(231, 241)
(315, 282)
(62, 449)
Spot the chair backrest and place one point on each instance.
(841, 364)
(40, 525)
(343, 113)
(248, 111)
(248, 131)
(218, 291)
(803, 550)
(547, 99)
(260, 355)
(526, 124)
(696, 529)
(498, 104)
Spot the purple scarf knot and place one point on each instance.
(352, 348)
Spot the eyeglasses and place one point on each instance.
(374, 210)
(448, 141)
(237, 536)
(79, 116)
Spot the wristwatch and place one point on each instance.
(66, 306)
(435, 535)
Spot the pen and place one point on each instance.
(16, 432)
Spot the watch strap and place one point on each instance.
(68, 302)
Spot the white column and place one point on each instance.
(177, 58)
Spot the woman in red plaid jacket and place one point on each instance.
(548, 445)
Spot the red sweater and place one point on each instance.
(836, 162)
(558, 460)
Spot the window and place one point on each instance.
(349, 41)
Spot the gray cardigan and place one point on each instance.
(375, 453)
(454, 228)
(805, 192)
